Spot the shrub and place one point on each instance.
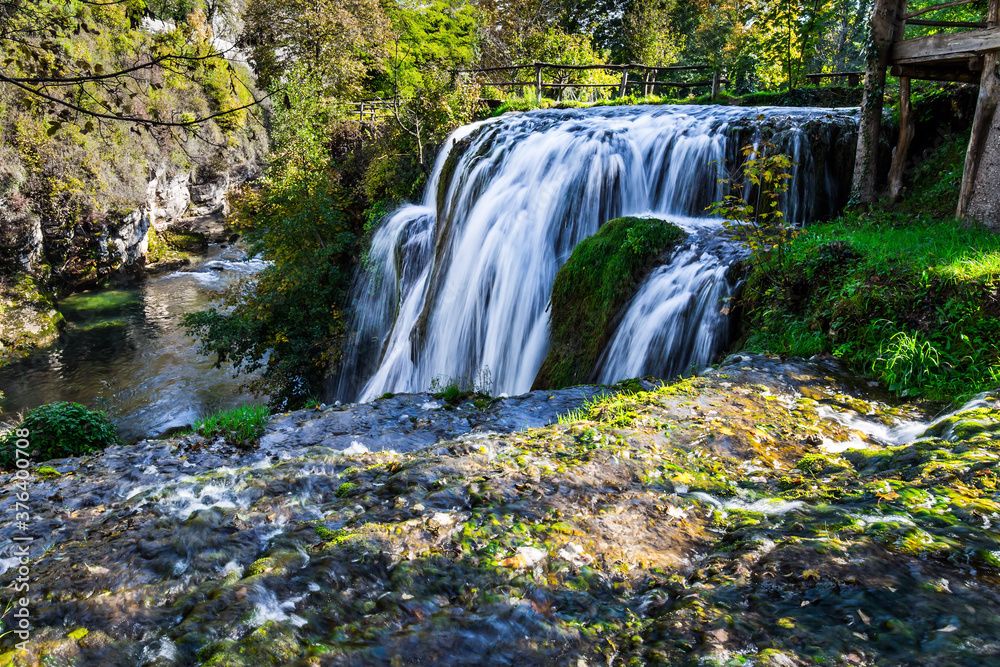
(240, 426)
(58, 430)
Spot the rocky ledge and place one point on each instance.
(768, 512)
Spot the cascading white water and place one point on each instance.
(462, 282)
(679, 317)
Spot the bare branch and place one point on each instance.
(128, 119)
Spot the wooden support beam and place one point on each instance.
(621, 91)
(934, 8)
(906, 131)
(716, 84)
(945, 46)
(946, 24)
(978, 197)
(968, 74)
(538, 83)
(886, 25)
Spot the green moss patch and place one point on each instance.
(600, 277)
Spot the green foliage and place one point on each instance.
(896, 291)
(751, 209)
(602, 274)
(58, 430)
(241, 427)
(432, 37)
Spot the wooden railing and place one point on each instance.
(368, 111)
(645, 77)
(853, 78)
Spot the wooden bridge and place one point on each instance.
(969, 56)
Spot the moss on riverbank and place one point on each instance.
(599, 278)
(28, 316)
(899, 292)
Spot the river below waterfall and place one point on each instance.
(124, 350)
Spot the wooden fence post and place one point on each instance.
(621, 91)
(538, 83)
(716, 83)
(905, 137)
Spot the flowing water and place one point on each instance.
(459, 285)
(124, 350)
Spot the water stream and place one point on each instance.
(124, 350)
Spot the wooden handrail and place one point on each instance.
(947, 24)
(934, 8)
(631, 66)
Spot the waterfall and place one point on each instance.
(461, 282)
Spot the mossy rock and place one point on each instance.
(603, 273)
(184, 241)
(278, 564)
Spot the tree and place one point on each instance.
(41, 58)
(649, 36)
(340, 41)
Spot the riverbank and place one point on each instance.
(122, 349)
(768, 510)
(901, 292)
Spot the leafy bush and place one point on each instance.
(58, 430)
(601, 275)
(240, 426)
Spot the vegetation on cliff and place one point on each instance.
(601, 275)
(72, 170)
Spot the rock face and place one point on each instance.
(21, 241)
(28, 315)
(770, 510)
(81, 254)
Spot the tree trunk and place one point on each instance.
(978, 200)
(903, 145)
(886, 16)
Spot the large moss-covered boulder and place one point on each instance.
(600, 277)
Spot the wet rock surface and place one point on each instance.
(768, 512)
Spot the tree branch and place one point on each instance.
(128, 119)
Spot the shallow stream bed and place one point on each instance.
(769, 512)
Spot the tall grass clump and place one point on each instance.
(241, 427)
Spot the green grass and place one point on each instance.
(902, 292)
(241, 426)
(601, 275)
